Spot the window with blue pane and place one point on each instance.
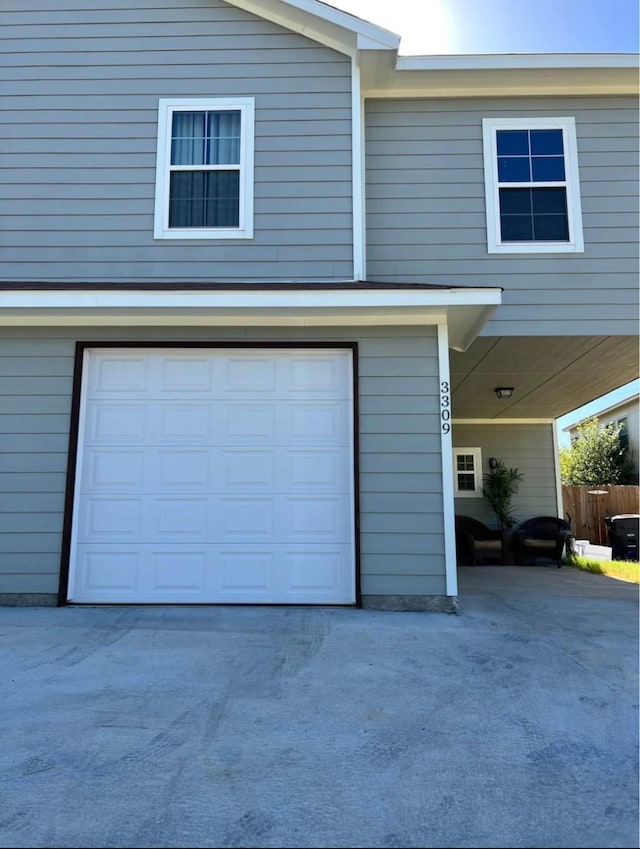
(532, 185)
(204, 185)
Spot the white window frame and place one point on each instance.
(166, 108)
(495, 245)
(477, 473)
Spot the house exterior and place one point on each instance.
(624, 415)
(261, 278)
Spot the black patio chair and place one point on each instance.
(475, 542)
(542, 536)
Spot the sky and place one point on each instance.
(504, 26)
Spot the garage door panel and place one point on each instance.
(315, 375)
(238, 574)
(247, 574)
(183, 572)
(118, 373)
(114, 422)
(318, 470)
(171, 469)
(110, 518)
(248, 376)
(247, 424)
(113, 469)
(108, 574)
(247, 518)
(316, 424)
(315, 520)
(214, 476)
(178, 518)
(181, 375)
(315, 572)
(177, 423)
(253, 470)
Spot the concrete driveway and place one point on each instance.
(514, 723)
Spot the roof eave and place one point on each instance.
(489, 76)
(322, 23)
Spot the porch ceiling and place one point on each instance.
(550, 375)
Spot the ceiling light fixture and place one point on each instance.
(504, 391)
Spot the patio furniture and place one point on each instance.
(542, 536)
(475, 542)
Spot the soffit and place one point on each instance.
(497, 76)
(551, 375)
(464, 310)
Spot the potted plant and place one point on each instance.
(500, 486)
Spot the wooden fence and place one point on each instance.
(588, 506)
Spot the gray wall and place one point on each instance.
(402, 541)
(426, 212)
(527, 447)
(79, 125)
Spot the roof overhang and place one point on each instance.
(322, 23)
(384, 75)
(464, 310)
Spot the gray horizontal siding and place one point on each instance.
(80, 107)
(402, 542)
(426, 211)
(527, 447)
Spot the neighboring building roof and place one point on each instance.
(635, 397)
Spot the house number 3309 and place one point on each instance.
(445, 406)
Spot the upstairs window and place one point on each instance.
(623, 434)
(204, 180)
(531, 185)
(467, 471)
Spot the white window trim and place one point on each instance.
(495, 245)
(477, 473)
(166, 108)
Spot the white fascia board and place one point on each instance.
(513, 61)
(515, 76)
(467, 310)
(249, 299)
(322, 23)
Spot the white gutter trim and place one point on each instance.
(358, 173)
(513, 61)
(255, 308)
(556, 465)
(446, 449)
(248, 299)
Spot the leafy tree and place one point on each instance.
(595, 457)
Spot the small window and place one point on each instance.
(531, 184)
(623, 434)
(467, 470)
(204, 181)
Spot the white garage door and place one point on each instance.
(214, 475)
